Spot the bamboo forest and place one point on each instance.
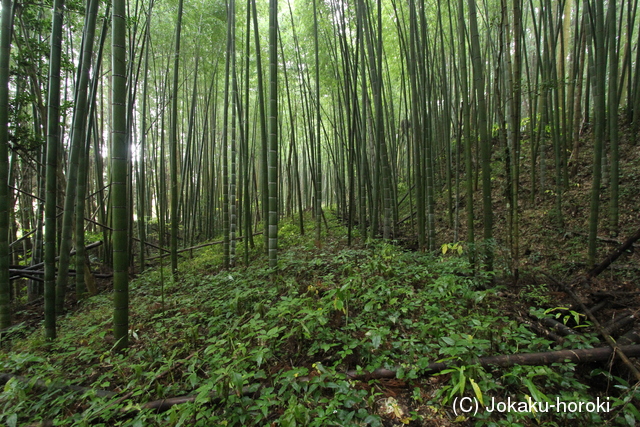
(319, 213)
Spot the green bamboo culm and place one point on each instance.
(5, 46)
(233, 203)
(173, 147)
(264, 152)
(597, 9)
(614, 215)
(142, 207)
(485, 141)
(53, 137)
(317, 148)
(466, 116)
(119, 176)
(415, 59)
(273, 133)
(226, 247)
(244, 132)
(77, 152)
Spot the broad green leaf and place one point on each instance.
(448, 340)
(633, 411)
(376, 338)
(476, 390)
(237, 380)
(537, 395)
(630, 420)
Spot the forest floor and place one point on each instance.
(347, 335)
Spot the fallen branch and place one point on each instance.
(11, 329)
(558, 327)
(540, 330)
(71, 272)
(72, 253)
(157, 377)
(599, 328)
(22, 238)
(619, 323)
(26, 276)
(545, 358)
(405, 219)
(162, 405)
(629, 338)
(505, 361)
(614, 255)
(599, 238)
(614, 294)
(41, 385)
(599, 306)
(92, 221)
(203, 245)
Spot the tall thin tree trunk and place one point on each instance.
(273, 133)
(173, 146)
(264, 143)
(5, 50)
(516, 89)
(225, 150)
(78, 135)
(599, 112)
(416, 121)
(466, 126)
(613, 120)
(119, 175)
(53, 141)
(485, 141)
(318, 123)
(142, 185)
(233, 202)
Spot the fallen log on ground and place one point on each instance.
(599, 328)
(614, 255)
(11, 329)
(162, 405)
(130, 393)
(618, 323)
(599, 306)
(504, 361)
(42, 385)
(544, 358)
(615, 294)
(558, 327)
(540, 330)
(629, 338)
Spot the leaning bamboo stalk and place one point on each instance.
(203, 245)
(614, 255)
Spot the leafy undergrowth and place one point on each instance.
(254, 347)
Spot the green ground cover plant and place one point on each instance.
(254, 347)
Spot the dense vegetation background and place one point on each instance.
(259, 205)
